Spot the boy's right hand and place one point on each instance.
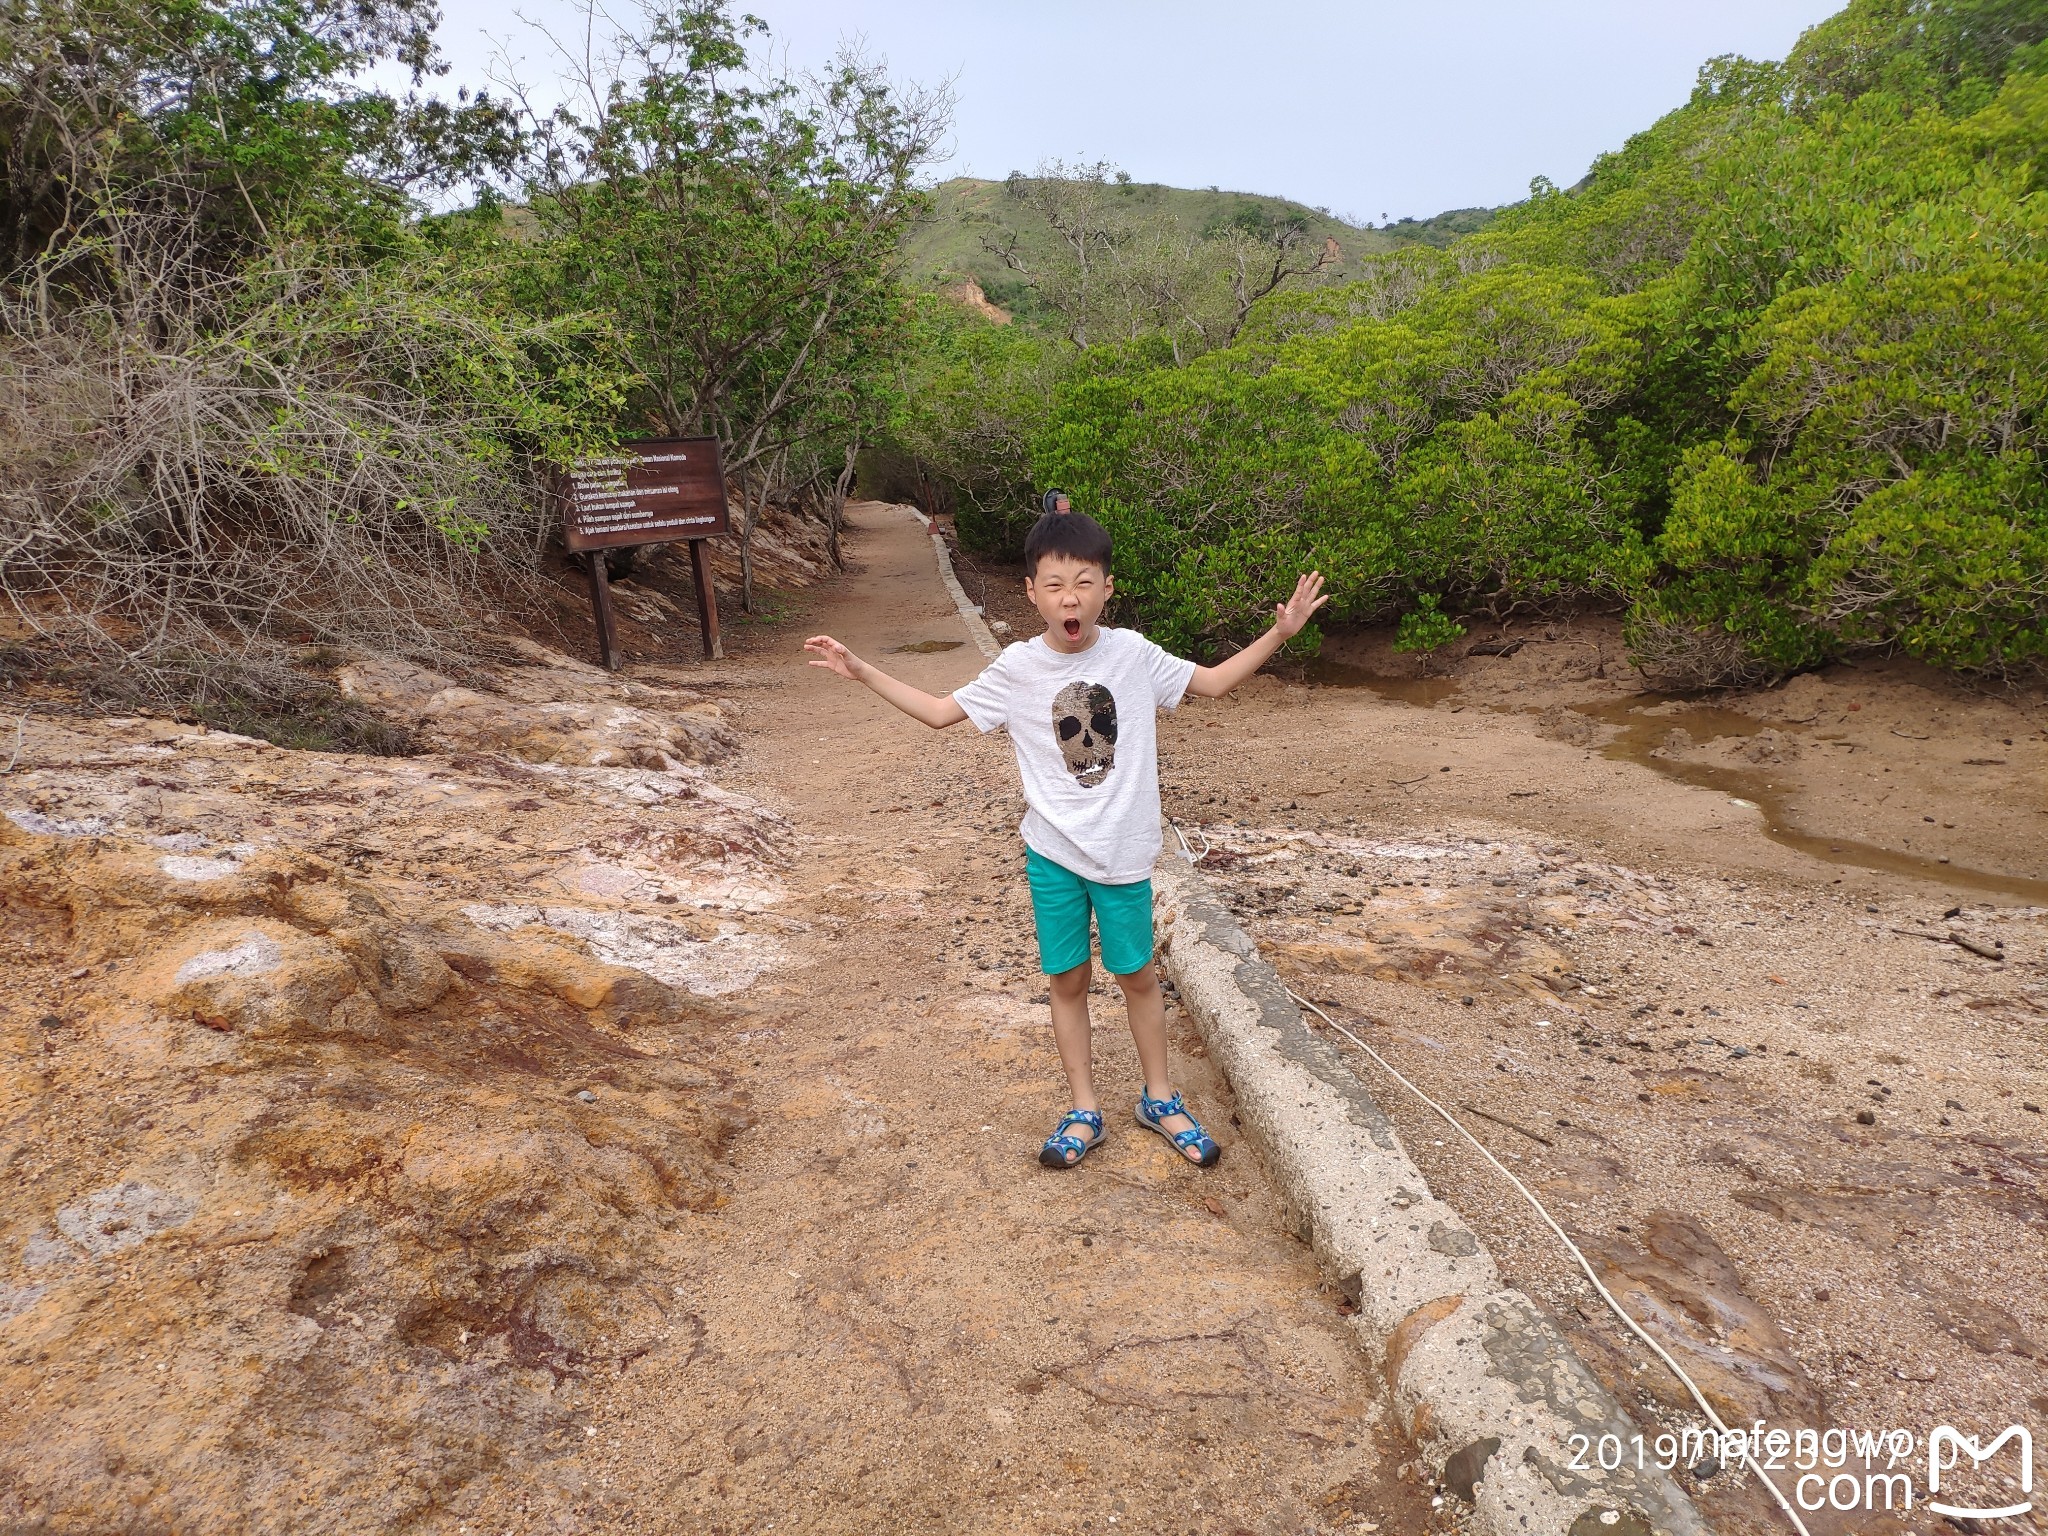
(833, 657)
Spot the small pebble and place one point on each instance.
(586, 1096)
(1866, 1117)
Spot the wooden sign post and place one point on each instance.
(656, 491)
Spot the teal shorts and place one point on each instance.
(1060, 903)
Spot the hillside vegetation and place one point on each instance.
(1771, 379)
(966, 215)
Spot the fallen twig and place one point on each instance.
(1961, 941)
(1474, 1109)
(1404, 783)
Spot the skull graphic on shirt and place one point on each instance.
(1084, 719)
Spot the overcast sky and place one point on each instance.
(1371, 108)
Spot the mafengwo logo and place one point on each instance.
(1945, 1450)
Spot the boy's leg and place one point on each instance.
(1123, 916)
(1073, 1034)
(1059, 910)
(1147, 1005)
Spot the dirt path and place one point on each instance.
(899, 1319)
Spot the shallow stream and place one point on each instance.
(1641, 732)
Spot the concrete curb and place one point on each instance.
(1490, 1392)
(977, 626)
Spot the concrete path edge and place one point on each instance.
(977, 626)
(1485, 1385)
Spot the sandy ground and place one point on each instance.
(1691, 966)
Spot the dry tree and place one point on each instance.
(199, 471)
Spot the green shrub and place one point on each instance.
(1427, 628)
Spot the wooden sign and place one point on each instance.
(651, 492)
(655, 491)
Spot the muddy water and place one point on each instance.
(1423, 692)
(1750, 788)
(1641, 733)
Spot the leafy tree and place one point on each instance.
(216, 127)
(741, 233)
(245, 396)
(968, 401)
(1770, 376)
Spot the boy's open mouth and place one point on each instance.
(1073, 628)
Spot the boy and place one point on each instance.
(1080, 703)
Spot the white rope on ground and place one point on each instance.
(1726, 1435)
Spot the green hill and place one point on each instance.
(947, 246)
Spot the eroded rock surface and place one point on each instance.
(606, 724)
(348, 1106)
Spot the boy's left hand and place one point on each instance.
(1289, 617)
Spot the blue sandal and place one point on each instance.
(1151, 1111)
(1054, 1153)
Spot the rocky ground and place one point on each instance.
(620, 1116)
(351, 1107)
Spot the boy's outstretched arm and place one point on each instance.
(914, 702)
(1288, 619)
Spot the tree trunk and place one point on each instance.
(840, 487)
(747, 520)
(755, 505)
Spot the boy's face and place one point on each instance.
(1068, 595)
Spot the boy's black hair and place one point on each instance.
(1073, 534)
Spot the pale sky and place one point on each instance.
(1371, 108)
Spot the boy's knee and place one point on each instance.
(1069, 984)
(1139, 982)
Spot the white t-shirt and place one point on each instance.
(1085, 732)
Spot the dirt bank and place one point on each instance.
(1706, 973)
